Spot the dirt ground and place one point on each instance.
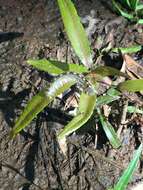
(33, 160)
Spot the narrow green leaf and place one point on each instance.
(56, 67)
(36, 105)
(123, 13)
(75, 31)
(109, 131)
(132, 49)
(41, 100)
(131, 85)
(134, 4)
(102, 100)
(125, 3)
(106, 71)
(86, 107)
(133, 109)
(128, 2)
(127, 174)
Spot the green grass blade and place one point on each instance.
(131, 85)
(75, 31)
(127, 174)
(132, 49)
(123, 13)
(134, 4)
(109, 131)
(86, 107)
(41, 100)
(102, 100)
(56, 67)
(126, 3)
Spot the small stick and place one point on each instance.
(123, 118)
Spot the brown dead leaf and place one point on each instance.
(63, 145)
(133, 69)
(71, 101)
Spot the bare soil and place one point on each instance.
(33, 160)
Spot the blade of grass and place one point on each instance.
(123, 13)
(127, 174)
(109, 131)
(56, 67)
(75, 31)
(134, 4)
(125, 3)
(102, 100)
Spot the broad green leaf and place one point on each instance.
(109, 131)
(133, 109)
(56, 67)
(86, 107)
(131, 85)
(123, 13)
(102, 100)
(75, 31)
(41, 100)
(127, 174)
(132, 49)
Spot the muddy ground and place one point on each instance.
(33, 160)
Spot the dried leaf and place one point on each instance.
(134, 70)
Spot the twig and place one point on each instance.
(123, 118)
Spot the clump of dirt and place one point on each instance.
(33, 160)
